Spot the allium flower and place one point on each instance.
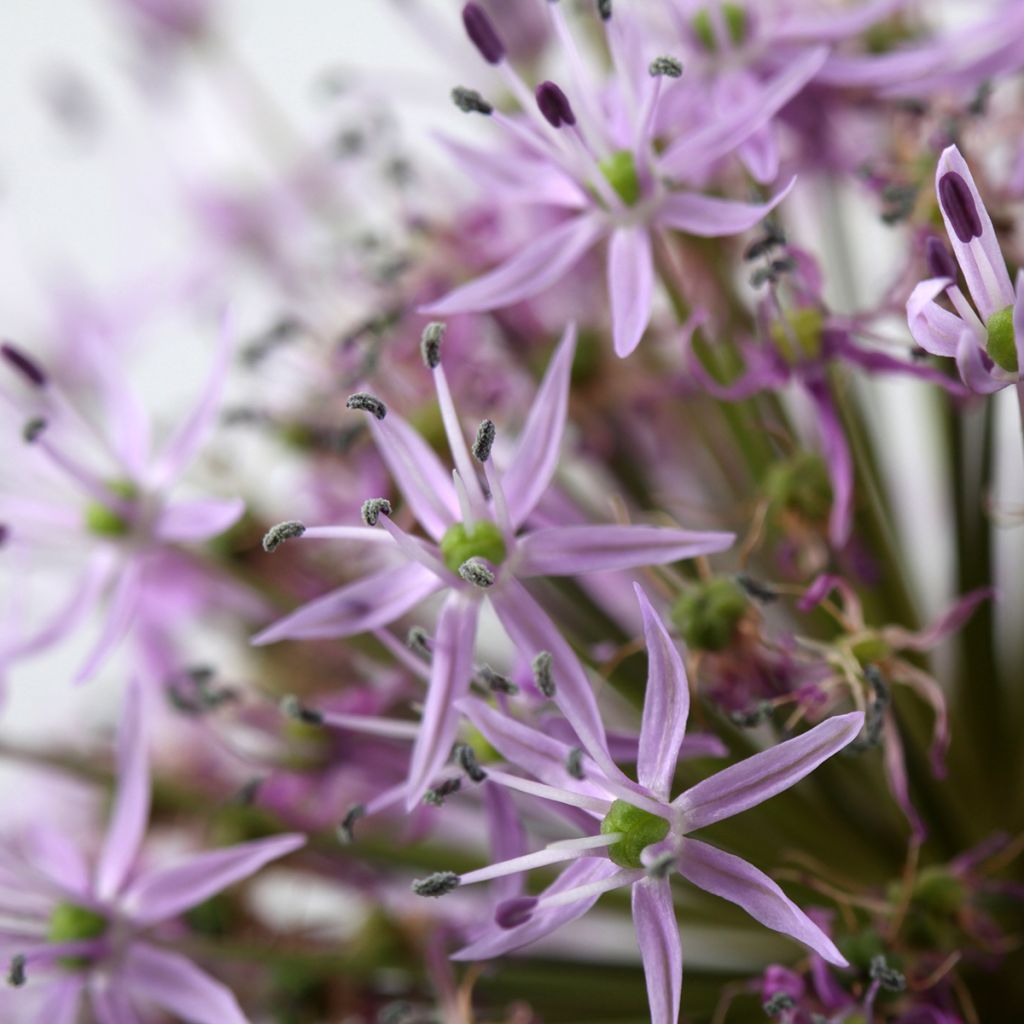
(82, 927)
(90, 479)
(986, 339)
(480, 546)
(601, 160)
(638, 834)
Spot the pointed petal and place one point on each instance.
(839, 462)
(666, 704)
(62, 1002)
(496, 940)
(111, 1005)
(118, 619)
(424, 482)
(763, 775)
(200, 422)
(657, 934)
(198, 520)
(935, 329)
(176, 985)
(630, 285)
(357, 607)
(536, 457)
(507, 838)
(709, 143)
(131, 808)
(708, 217)
(741, 883)
(944, 626)
(533, 269)
(568, 550)
(532, 632)
(835, 26)
(760, 155)
(450, 674)
(973, 240)
(167, 891)
(974, 371)
(732, 90)
(896, 774)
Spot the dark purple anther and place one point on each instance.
(515, 912)
(554, 105)
(940, 263)
(958, 205)
(483, 34)
(27, 367)
(5, 532)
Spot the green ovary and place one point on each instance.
(801, 485)
(805, 327)
(735, 24)
(708, 615)
(639, 830)
(870, 649)
(481, 540)
(1001, 344)
(72, 923)
(105, 521)
(620, 170)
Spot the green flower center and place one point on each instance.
(481, 540)
(870, 648)
(735, 24)
(801, 485)
(620, 170)
(708, 615)
(1001, 344)
(639, 830)
(107, 522)
(72, 923)
(801, 337)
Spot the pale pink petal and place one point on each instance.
(508, 839)
(357, 607)
(130, 815)
(175, 984)
(118, 617)
(533, 269)
(62, 1002)
(666, 704)
(536, 457)
(741, 883)
(835, 25)
(935, 329)
(657, 934)
(630, 285)
(111, 1005)
(569, 550)
(165, 892)
(197, 520)
(450, 672)
(709, 217)
(948, 623)
(763, 775)
(978, 375)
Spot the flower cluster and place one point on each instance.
(575, 499)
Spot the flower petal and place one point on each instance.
(763, 775)
(741, 883)
(508, 839)
(356, 607)
(980, 257)
(657, 934)
(630, 285)
(118, 617)
(838, 459)
(62, 1002)
(497, 941)
(935, 329)
(131, 808)
(176, 985)
(709, 217)
(666, 704)
(534, 268)
(836, 25)
(167, 891)
(569, 550)
(536, 457)
(198, 520)
(450, 672)
(974, 371)
(895, 766)
(111, 1005)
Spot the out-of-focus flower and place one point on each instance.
(986, 339)
(637, 834)
(478, 548)
(601, 161)
(82, 928)
(93, 488)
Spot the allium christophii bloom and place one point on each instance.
(478, 545)
(638, 834)
(90, 930)
(987, 337)
(599, 159)
(92, 486)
